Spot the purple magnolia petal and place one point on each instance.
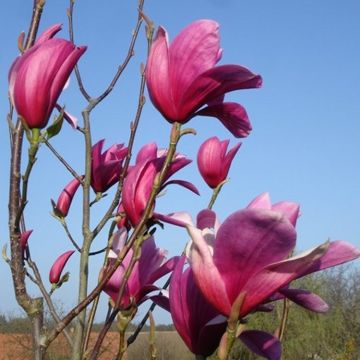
(264, 308)
(71, 119)
(180, 218)
(232, 115)
(254, 238)
(119, 240)
(192, 315)
(290, 209)
(164, 269)
(186, 184)
(215, 82)
(277, 275)
(147, 152)
(306, 299)
(170, 219)
(206, 273)
(262, 344)
(210, 336)
(206, 219)
(148, 265)
(194, 50)
(338, 253)
(58, 266)
(262, 201)
(24, 237)
(158, 76)
(106, 166)
(48, 33)
(65, 199)
(179, 307)
(178, 163)
(161, 300)
(137, 189)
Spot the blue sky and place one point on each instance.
(306, 130)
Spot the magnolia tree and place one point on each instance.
(228, 270)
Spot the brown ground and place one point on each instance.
(169, 346)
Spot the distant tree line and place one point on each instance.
(331, 336)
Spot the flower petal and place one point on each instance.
(338, 253)
(206, 219)
(158, 77)
(147, 152)
(248, 241)
(232, 115)
(290, 209)
(262, 201)
(186, 184)
(194, 50)
(216, 82)
(63, 74)
(306, 299)
(275, 276)
(58, 266)
(206, 274)
(48, 33)
(262, 344)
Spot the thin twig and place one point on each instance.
(87, 238)
(129, 55)
(76, 246)
(133, 128)
(62, 160)
(96, 301)
(71, 34)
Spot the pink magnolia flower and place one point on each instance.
(58, 266)
(150, 267)
(197, 322)
(38, 76)
(65, 199)
(201, 326)
(24, 238)
(139, 182)
(249, 255)
(213, 161)
(106, 167)
(183, 80)
(301, 297)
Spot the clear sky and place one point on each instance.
(306, 118)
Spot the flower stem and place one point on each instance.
(215, 193)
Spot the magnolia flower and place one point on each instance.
(37, 77)
(301, 297)
(213, 161)
(24, 238)
(65, 199)
(150, 267)
(201, 326)
(249, 254)
(183, 80)
(139, 182)
(197, 322)
(58, 266)
(106, 167)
